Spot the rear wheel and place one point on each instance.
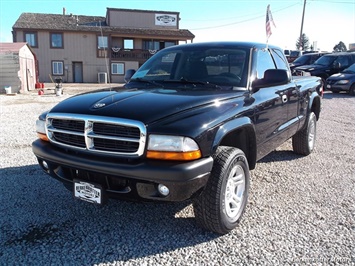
(222, 203)
(303, 141)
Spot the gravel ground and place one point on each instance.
(301, 209)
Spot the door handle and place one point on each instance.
(284, 98)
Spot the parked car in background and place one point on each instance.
(343, 81)
(306, 59)
(327, 65)
(294, 55)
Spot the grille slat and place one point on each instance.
(74, 140)
(116, 130)
(72, 125)
(115, 145)
(97, 134)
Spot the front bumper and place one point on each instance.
(135, 180)
(337, 87)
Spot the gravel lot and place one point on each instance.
(301, 209)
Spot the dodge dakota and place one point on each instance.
(190, 124)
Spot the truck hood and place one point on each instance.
(145, 105)
(340, 76)
(310, 67)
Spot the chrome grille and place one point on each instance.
(98, 134)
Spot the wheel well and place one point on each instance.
(316, 107)
(243, 139)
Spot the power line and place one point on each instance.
(335, 1)
(242, 21)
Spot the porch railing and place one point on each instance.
(132, 55)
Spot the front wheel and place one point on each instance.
(303, 141)
(352, 90)
(222, 203)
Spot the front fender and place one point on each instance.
(238, 133)
(314, 104)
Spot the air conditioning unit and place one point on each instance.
(102, 77)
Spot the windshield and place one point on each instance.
(350, 69)
(325, 60)
(220, 66)
(301, 60)
(295, 53)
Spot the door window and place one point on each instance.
(279, 58)
(264, 62)
(343, 61)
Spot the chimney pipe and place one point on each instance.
(63, 11)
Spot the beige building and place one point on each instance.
(94, 49)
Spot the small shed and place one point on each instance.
(18, 73)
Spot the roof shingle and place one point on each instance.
(38, 21)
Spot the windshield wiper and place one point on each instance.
(152, 82)
(192, 82)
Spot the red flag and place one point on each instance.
(269, 20)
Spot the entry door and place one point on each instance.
(78, 72)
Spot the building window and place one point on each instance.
(128, 44)
(102, 45)
(31, 38)
(57, 68)
(102, 42)
(168, 44)
(117, 68)
(151, 45)
(156, 45)
(56, 40)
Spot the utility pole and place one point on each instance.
(301, 41)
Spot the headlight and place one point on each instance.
(343, 82)
(41, 126)
(165, 147)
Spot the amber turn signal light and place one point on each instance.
(42, 136)
(176, 156)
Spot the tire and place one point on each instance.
(352, 90)
(303, 141)
(221, 204)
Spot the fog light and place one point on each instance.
(163, 190)
(45, 165)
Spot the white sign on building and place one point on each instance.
(165, 20)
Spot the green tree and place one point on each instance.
(340, 47)
(302, 42)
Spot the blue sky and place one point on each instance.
(326, 22)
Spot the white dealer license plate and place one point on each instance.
(88, 192)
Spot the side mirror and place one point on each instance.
(129, 74)
(272, 77)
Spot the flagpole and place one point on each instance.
(269, 20)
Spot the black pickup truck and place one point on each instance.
(190, 124)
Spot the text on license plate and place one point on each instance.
(88, 192)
